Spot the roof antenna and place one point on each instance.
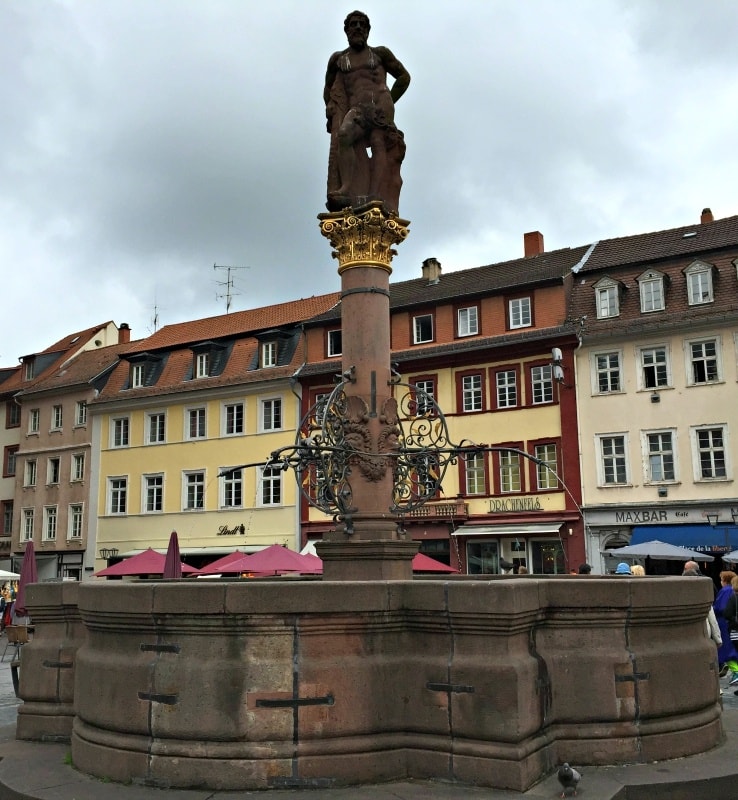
(228, 283)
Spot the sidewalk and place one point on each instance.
(32, 771)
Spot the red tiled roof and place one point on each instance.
(238, 323)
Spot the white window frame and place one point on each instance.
(157, 434)
(472, 393)
(80, 413)
(649, 455)
(117, 495)
(27, 524)
(475, 474)
(607, 370)
(75, 521)
(652, 292)
(423, 405)
(423, 328)
(697, 450)
(57, 417)
(30, 472)
(150, 490)
(269, 354)
(700, 289)
(202, 365)
(119, 426)
(34, 420)
(228, 422)
(468, 321)
(691, 360)
(541, 385)
(194, 480)
(270, 483)
(335, 343)
(269, 409)
(230, 485)
(520, 310)
(510, 472)
(137, 375)
(53, 471)
(506, 390)
(644, 353)
(197, 417)
(600, 440)
(51, 521)
(607, 298)
(547, 467)
(78, 467)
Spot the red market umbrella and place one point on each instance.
(424, 563)
(147, 563)
(28, 574)
(272, 560)
(172, 560)
(218, 565)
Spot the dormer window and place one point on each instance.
(29, 369)
(137, 375)
(335, 343)
(699, 283)
(202, 365)
(209, 359)
(607, 298)
(269, 354)
(144, 369)
(651, 285)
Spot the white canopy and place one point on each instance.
(659, 550)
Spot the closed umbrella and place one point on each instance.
(172, 562)
(28, 574)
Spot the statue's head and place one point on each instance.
(357, 27)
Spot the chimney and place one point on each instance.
(533, 243)
(706, 216)
(124, 333)
(432, 270)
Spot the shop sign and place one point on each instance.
(226, 531)
(503, 504)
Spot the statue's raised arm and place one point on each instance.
(360, 110)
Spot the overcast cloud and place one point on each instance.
(145, 140)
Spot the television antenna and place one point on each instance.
(227, 283)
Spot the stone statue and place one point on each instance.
(360, 109)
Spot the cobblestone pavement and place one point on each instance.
(8, 701)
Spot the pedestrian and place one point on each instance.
(623, 569)
(637, 570)
(584, 569)
(727, 653)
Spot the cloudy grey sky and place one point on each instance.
(142, 141)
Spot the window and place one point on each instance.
(233, 419)
(541, 381)
(699, 283)
(30, 475)
(56, 418)
(137, 375)
(607, 372)
(475, 477)
(7, 517)
(29, 369)
(423, 329)
(156, 428)
(472, 393)
(704, 366)
(49, 523)
(660, 456)
(613, 463)
(153, 493)
(655, 368)
(509, 471)
(12, 414)
(651, 285)
(607, 298)
(195, 423)
(710, 453)
(119, 436)
(271, 414)
(269, 354)
(271, 486)
(80, 413)
(34, 420)
(233, 489)
(117, 495)
(78, 466)
(506, 386)
(10, 459)
(202, 365)
(194, 491)
(76, 519)
(335, 343)
(28, 515)
(519, 310)
(424, 396)
(546, 466)
(467, 320)
(52, 471)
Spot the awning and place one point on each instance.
(703, 538)
(530, 529)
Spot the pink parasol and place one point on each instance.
(172, 560)
(424, 563)
(147, 563)
(28, 574)
(272, 560)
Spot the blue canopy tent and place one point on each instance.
(701, 538)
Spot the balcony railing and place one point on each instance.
(453, 509)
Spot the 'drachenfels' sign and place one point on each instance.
(501, 504)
